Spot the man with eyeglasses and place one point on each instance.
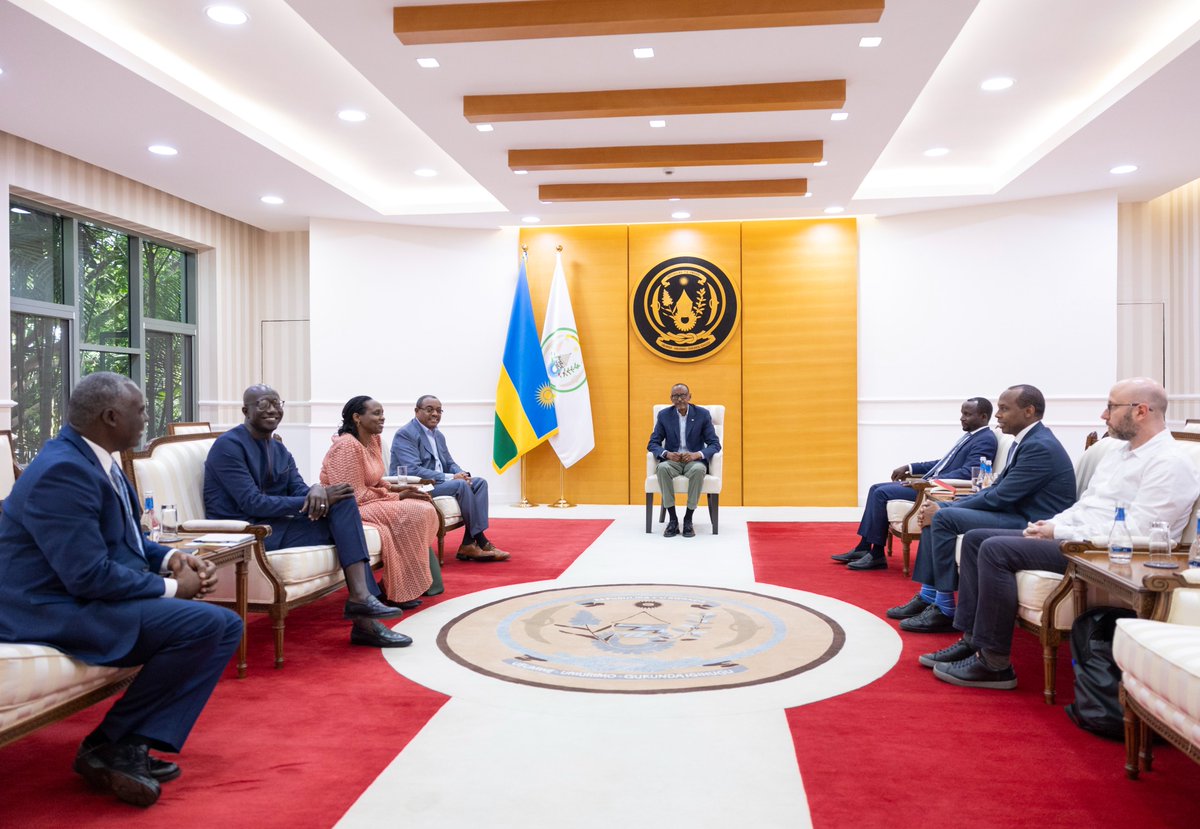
(1149, 473)
(684, 441)
(250, 476)
(421, 447)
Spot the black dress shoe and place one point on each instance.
(972, 673)
(929, 620)
(375, 635)
(120, 770)
(868, 562)
(411, 604)
(952, 653)
(688, 532)
(163, 771)
(672, 529)
(372, 608)
(906, 611)
(853, 555)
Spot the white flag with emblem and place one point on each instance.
(564, 365)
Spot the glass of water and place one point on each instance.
(402, 474)
(975, 475)
(170, 523)
(1160, 547)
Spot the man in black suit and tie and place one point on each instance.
(684, 441)
(977, 441)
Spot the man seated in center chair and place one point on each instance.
(684, 441)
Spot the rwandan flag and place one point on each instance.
(525, 413)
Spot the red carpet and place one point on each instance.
(909, 751)
(287, 748)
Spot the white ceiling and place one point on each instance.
(252, 109)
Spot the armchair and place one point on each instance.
(712, 481)
(198, 427)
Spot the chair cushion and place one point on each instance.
(34, 678)
(711, 484)
(447, 505)
(175, 474)
(896, 510)
(1162, 661)
(1033, 587)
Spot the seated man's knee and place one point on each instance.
(479, 485)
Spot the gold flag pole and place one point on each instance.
(562, 502)
(524, 503)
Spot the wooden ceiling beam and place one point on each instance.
(474, 22)
(673, 189)
(619, 103)
(666, 155)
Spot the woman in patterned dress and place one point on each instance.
(405, 517)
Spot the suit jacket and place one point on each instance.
(963, 457)
(700, 436)
(410, 447)
(70, 564)
(251, 480)
(1037, 484)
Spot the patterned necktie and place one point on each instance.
(946, 459)
(118, 482)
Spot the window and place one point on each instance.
(87, 297)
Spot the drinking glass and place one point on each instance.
(402, 474)
(975, 478)
(170, 523)
(1160, 547)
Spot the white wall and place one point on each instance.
(958, 303)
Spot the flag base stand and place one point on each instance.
(524, 503)
(562, 502)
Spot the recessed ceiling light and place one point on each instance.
(520, 172)
(428, 63)
(484, 127)
(162, 149)
(834, 209)
(20, 211)
(820, 163)
(808, 195)
(869, 42)
(936, 152)
(1, 71)
(658, 123)
(530, 220)
(681, 214)
(271, 200)
(1122, 169)
(673, 198)
(229, 15)
(996, 84)
(643, 52)
(352, 115)
(839, 116)
(425, 172)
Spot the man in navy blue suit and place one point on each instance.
(1038, 481)
(77, 574)
(684, 441)
(978, 441)
(421, 448)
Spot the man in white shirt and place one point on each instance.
(1150, 474)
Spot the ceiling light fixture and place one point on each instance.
(271, 200)
(869, 42)
(530, 220)
(484, 127)
(425, 172)
(643, 52)
(839, 116)
(428, 63)
(821, 163)
(226, 15)
(352, 115)
(1122, 169)
(681, 214)
(996, 84)
(658, 123)
(936, 152)
(162, 149)
(808, 195)
(834, 209)
(673, 198)
(520, 172)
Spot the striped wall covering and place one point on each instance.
(245, 275)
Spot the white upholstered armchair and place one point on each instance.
(712, 481)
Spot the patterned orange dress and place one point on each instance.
(407, 528)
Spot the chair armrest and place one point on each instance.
(206, 525)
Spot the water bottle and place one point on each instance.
(1120, 542)
(150, 525)
(1194, 550)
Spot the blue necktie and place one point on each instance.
(946, 459)
(118, 481)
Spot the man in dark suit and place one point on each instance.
(1038, 481)
(421, 447)
(250, 476)
(684, 441)
(77, 574)
(978, 441)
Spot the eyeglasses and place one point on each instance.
(431, 410)
(268, 403)
(1109, 408)
(680, 396)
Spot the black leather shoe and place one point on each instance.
(929, 620)
(853, 555)
(868, 562)
(378, 636)
(411, 604)
(672, 529)
(163, 771)
(906, 611)
(688, 532)
(120, 770)
(952, 653)
(372, 608)
(972, 673)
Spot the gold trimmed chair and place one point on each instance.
(712, 480)
(197, 427)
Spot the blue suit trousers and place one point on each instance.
(935, 556)
(472, 497)
(874, 525)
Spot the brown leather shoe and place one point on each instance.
(489, 547)
(471, 552)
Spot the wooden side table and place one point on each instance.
(220, 555)
(1147, 589)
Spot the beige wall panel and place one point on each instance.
(800, 335)
(715, 380)
(595, 261)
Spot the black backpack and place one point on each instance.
(1097, 706)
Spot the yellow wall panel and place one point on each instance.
(715, 380)
(595, 263)
(800, 351)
